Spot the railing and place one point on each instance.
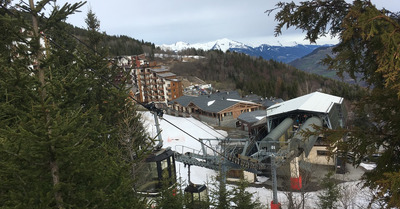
(184, 149)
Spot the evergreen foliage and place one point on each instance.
(220, 197)
(369, 45)
(330, 193)
(93, 28)
(116, 45)
(170, 197)
(60, 141)
(242, 198)
(233, 70)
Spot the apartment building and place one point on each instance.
(151, 82)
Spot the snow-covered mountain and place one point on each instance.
(220, 44)
(279, 53)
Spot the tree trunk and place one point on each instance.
(53, 163)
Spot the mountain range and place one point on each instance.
(284, 54)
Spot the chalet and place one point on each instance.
(221, 109)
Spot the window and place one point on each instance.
(235, 174)
(322, 152)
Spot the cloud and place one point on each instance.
(166, 22)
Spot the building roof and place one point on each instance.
(184, 100)
(213, 103)
(261, 122)
(225, 95)
(314, 102)
(166, 75)
(160, 70)
(253, 98)
(252, 117)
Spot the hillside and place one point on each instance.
(116, 45)
(231, 70)
(311, 63)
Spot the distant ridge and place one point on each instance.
(311, 63)
(284, 54)
(220, 44)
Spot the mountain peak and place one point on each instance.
(279, 53)
(223, 44)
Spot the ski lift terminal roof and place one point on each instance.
(314, 102)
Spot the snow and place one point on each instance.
(260, 117)
(210, 102)
(355, 196)
(181, 142)
(241, 101)
(368, 166)
(220, 44)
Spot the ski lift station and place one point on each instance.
(291, 139)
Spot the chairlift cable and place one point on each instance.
(204, 129)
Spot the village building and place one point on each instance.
(150, 82)
(253, 122)
(220, 109)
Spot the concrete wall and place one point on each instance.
(228, 121)
(314, 158)
(248, 176)
(209, 120)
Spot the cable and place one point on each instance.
(203, 128)
(212, 129)
(194, 137)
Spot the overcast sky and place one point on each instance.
(170, 21)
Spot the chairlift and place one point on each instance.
(196, 195)
(158, 170)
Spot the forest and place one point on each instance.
(231, 70)
(116, 45)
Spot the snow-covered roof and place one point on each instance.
(314, 102)
(213, 103)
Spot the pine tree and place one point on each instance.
(242, 198)
(330, 193)
(93, 27)
(59, 116)
(170, 197)
(220, 197)
(369, 45)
